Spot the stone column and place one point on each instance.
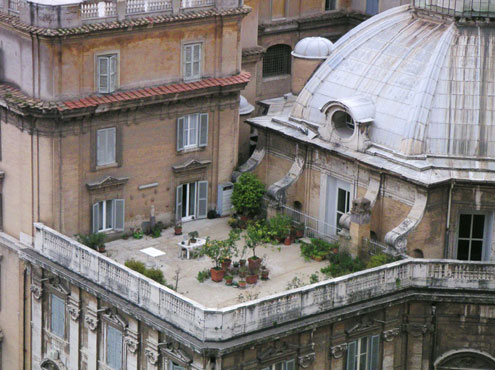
(121, 9)
(176, 6)
(91, 321)
(73, 308)
(36, 320)
(132, 344)
(359, 226)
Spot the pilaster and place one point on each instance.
(73, 308)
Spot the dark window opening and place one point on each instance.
(470, 241)
(330, 4)
(277, 61)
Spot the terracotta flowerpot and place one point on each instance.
(226, 263)
(178, 230)
(242, 273)
(242, 284)
(242, 263)
(228, 281)
(252, 279)
(299, 234)
(287, 241)
(217, 275)
(317, 258)
(264, 274)
(101, 249)
(254, 263)
(244, 218)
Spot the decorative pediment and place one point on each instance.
(112, 316)
(56, 284)
(107, 182)
(175, 353)
(191, 165)
(278, 349)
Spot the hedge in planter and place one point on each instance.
(248, 195)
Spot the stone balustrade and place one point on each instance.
(267, 312)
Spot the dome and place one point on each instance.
(313, 48)
(245, 107)
(427, 85)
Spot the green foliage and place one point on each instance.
(257, 233)
(248, 194)
(137, 266)
(342, 263)
(314, 278)
(93, 241)
(317, 248)
(193, 235)
(218, 250)
(203, 275)
(138, 234)
(380, 259)
(280, 226)
(295, 283)
(156, 231)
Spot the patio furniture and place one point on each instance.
(190, 247)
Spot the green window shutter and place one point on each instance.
(203, 129)
(351, 356)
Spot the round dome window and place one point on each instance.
(343, 123)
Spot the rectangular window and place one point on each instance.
(192, 61)
(471, 237)
(282, 365)
(192, 131)
(343, 204)
(363, 353)
(114, 348)
(57, 319)
(191, 201)
(330, 4)
(106, 73)
(372, 7)
(108, 215)
(105, 146)
(338, 202)
(174, 366)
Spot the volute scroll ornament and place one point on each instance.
(338, 350)
(389, 335)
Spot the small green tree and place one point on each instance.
(256, 234)
(248, 195)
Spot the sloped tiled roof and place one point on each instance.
(14, 97)
(145, 21)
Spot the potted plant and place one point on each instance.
(243, 271)
(264, 273)
(226, 263)
(242, 284)
(280, 225)
(94, 241)
(247, 195)
(252, 278)
(228, 279)
(298, 230)
(178, 228)
(255, 235)
(213, 249)
(192, 237)
(235, 268)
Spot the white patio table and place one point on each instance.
(190, 247)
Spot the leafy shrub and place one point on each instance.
(280, 226)
(155, 274)
(156, 230)
(203, 275)
(256, 234)
(137, 266)
(93, 241)
(212, 214)
(248, 194)
(138, 234)
(380, 259)
(314, 278)
(342, 263)
(317, 248)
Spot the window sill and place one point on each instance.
(192, 150)
(106, 166)
(192, 79)
(276, 78)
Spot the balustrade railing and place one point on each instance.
(101, 9)
(222, 324)
(196, 3)
(13, 6)
(147, 6)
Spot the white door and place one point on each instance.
(192, 200)
(338, 203)
(188, 201)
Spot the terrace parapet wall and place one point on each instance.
(208, 324)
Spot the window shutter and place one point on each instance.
(351, 356)
(178, 204)
(374, 352)
(203, 130)
(113, 73)
(110, 147)
(188, 61)
(103, 67)
(96, 213)
(180, 133)
(202, 199)
(114, 348)
(119, 214)
(58, 316)
(290, 365)
(197, 60)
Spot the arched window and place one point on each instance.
(465, 359)
(277, 61)
(343, 123)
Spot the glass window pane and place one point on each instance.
(192, 198)
(478, 226)
(193, 130)
(476, 250)
(463, 250)
(341, 201)
(197, 49)
(184, 200)
(465, 226)
(114, 348)
(100, 217)
(196, 69)
(188, 53)
(109, 215)
(188, 72)
(58, 316)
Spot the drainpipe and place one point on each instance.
(447, 227)
(433, 334)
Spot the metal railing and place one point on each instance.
(313, 227)
(458, 8)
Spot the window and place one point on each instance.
(338, 202)
(192, 61)
(174, 366)
(108, 215)
(372, 7)
(283, 365)
(471, 235)
(106, 66)
(113, 348)
(362, 354)
(57, 319)
(343, 123)
(192, 131)
(105, 146)
(330, 4)
(277, 61)
(343, 204)
(191, 201)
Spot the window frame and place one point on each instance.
(202, 123)
(102, 210)
(106, 357)
(106, 161)
(487, 229)
(199, 75)
(327, 4)
(285, 61)
(109, 55)
(357, 342)
(64, 320)
(283, 363)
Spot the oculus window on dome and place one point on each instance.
(343, 123)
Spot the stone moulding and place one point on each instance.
(389, 335)
(52, 248)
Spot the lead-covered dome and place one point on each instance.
(427, 82)
(313, 48)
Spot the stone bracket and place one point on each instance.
(252, 162)
(91, 318)
(338, 350)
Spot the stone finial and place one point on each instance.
(361, 211)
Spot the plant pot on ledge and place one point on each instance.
(242, 284)
(178, 229)
(264, 273)
(252, 279)
(287, 241)
(217, 274)
(226, 263)
(254, 263)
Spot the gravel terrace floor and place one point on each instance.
(284, 263)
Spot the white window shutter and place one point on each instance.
(113, 73)
(180, 133)
(110, 147)
(197, 60)
(103, 69)
(203, 130)
(96, 216)
(58, 316)
(178, 204)
(101, 141)
(374, 352)
(351, 356)
(119, 214)
(202, 199)
(114, 348)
